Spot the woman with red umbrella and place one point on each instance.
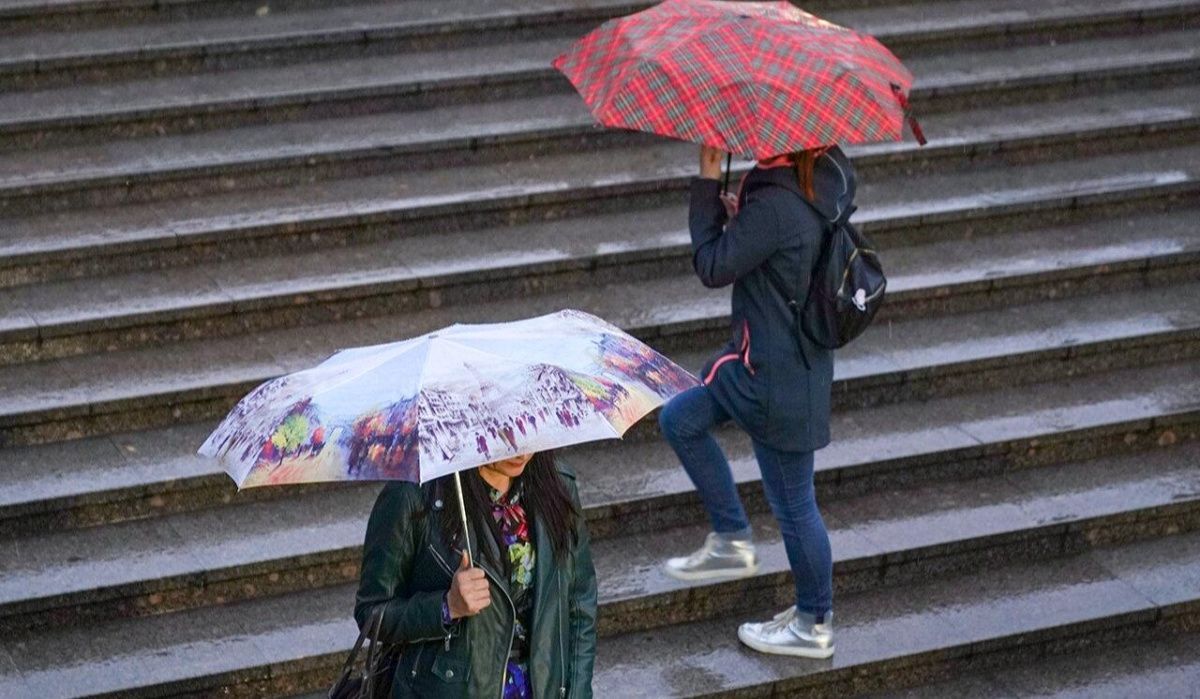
(770, 81)
(775, 389)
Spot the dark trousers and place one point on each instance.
(687, 421)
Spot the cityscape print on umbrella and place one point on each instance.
(316, 426)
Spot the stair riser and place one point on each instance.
(341, 566)
(273, 239)
(382, 40)
(889, 676)
(520, 145)
(901, 230)
(1129, 23)
(214, 401)
(215, 490)
(58, 16)
(777, 590)
(312, 48)
(932, 666)
(385, 299)
(502, 85)
(687, 605)
(55, 16)
(663, 512)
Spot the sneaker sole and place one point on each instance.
(726, 574)
(794, 651)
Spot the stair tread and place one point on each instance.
(74, 383)
(359, 21)
(352, 22)
(215, 217)
(68, 307)
(980, 491)
(1157, 667)
(308, 82)
(301, 142)
(215, 544)
(1129, 584)
(155, 458)
(953, 616)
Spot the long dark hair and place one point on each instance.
(544, 496)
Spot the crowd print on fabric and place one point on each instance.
(437, 407)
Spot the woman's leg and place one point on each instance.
(788, 482)
(687, 421)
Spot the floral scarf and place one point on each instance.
(518, 550)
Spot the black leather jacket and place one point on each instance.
(408, 567)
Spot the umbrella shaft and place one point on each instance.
(462, 511)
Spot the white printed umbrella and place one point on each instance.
(444, 402)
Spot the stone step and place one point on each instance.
(1166, 666)
(198, 379)
(153, 169)
(427, 268)
(347, 87)
(223, 554)
(26, 16)
(315, 216)
(998, 619)
(291, 642)
(247, 40)
(145, 474)
(23, 16)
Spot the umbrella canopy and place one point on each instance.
(755, 78)
(444, 402)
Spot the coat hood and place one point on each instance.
(834, 182)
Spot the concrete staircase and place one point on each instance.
(197, 195)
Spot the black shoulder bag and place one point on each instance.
(375, 679)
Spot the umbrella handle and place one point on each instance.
(462, 511)
(728, 165)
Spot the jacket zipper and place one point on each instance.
(417, 660)
(512, 631)
(562, 650)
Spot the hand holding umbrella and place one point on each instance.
(470, 592)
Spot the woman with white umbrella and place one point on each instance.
(526, 528)
(476, 564)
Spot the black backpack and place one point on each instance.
(846, 289)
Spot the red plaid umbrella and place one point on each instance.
(754, 78)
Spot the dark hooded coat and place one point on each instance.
(775, 388)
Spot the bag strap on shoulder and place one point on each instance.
(369, 631)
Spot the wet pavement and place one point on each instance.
(1015, 468)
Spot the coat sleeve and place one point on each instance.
(388, 552)
(582, 611)
(724, 251)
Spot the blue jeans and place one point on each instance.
(687, 421)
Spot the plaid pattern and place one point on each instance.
(753, 78)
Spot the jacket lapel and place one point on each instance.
(542, 673)
(488, 542)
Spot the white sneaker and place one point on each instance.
(717, 558)
(788, 634)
